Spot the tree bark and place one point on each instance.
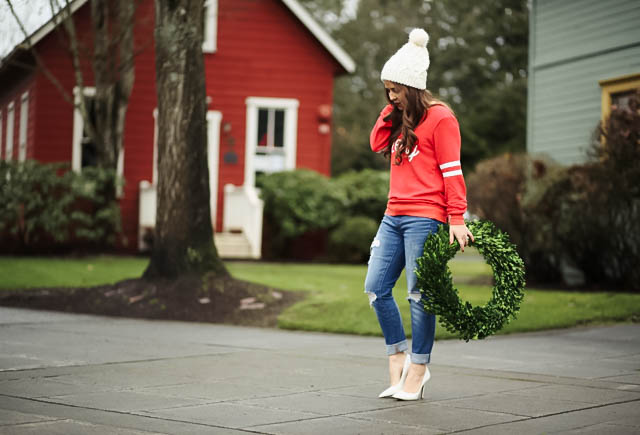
(183, 242)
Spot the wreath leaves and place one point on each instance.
(441, 298)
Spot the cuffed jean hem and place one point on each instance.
(420, 358)
(401, 346)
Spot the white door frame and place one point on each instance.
(214, 118)
(290, 107)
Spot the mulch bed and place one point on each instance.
(190, 298)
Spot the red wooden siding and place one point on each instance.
(12, 92)
(263, 50)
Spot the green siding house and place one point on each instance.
(584, 56)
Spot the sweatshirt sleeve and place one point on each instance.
(381, 131)
(447, 146)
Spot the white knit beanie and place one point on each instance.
(409, 65)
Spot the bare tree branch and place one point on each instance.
(38, 59)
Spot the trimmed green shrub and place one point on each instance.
(45, 207)
(351, 240)
(296, 202)
(365, 192)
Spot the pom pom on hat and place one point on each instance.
(419, 37)
(408, 66)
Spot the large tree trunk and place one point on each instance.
(183, 242)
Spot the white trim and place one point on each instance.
(78, 132)
(78, 127)
(450, 164)
(8, 152)
(290, 106)
(214, 118)
(321, 35)
(23, 129)
(452, 173)
(210, 40)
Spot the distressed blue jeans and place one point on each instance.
(397, 245)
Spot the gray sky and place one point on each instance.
(33, 14)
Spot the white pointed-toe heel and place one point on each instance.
(403, 395)
(398, 387)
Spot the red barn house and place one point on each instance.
(269, 76)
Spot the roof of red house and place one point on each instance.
(294, 6)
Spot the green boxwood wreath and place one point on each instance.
(441, 298)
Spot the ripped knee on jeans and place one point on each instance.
(372, 297)
(415, 297)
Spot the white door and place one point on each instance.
(271, 136)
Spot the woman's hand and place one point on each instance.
(460, 233)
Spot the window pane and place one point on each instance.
(278, 139)
(621, 99)
(263, 122)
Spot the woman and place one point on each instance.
(421, 137)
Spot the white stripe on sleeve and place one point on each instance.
(450, 164)
(452, 173)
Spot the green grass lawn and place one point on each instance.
(335, 300)
(24, 272)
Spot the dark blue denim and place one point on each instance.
(397, 245)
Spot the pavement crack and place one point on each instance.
(132, 413)
(537, 417)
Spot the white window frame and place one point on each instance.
(78, 130)
(8, 151)
(210, 41)
(23, 129)
(290, 107)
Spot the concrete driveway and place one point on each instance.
(78, 374)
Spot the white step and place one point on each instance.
(232, 245)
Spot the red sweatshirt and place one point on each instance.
(429, 181)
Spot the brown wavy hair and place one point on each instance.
(405, 121)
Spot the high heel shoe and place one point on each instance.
(403, 395)
(398, 387)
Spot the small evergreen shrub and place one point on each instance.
(365, 192)
(351, 241)
(297, 202)
(44, 207)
